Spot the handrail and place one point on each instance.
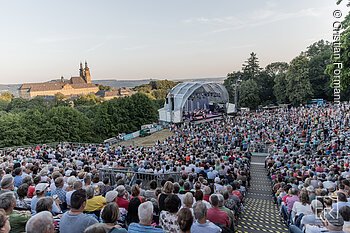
(131, 176)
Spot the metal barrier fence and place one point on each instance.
(259, 148)
(50, 144)
(130, 176)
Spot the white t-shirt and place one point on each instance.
(299, 208)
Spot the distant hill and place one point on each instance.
(13, 88)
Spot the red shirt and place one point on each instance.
(122, 203)
(206, 197)
(218, 216)
(237, 193)
(31, 191)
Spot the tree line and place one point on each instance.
(85, 119)
(307, 76)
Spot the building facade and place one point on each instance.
(81, 85)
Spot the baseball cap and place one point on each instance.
(41, 187)
(111, 195)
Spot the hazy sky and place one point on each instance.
(142, 39)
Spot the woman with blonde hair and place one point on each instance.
(188, 201)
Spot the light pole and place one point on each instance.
(236, 93)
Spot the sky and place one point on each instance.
(42, 40)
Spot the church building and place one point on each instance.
(81, 85)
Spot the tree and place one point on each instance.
(249, 94)
(11, 131)
(276, 68)
(89, 99)
(298, 83)
(251, 67)
(104, 88)
(265, 84)
(280, 87)
(230, 83)
(319, 55)
(277, 71)
(66, 124)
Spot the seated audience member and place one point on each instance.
(4, 222)
(151, 192)
(332, 222)
(45, 204)
(135, 202)
(202, 225)
(341, 201)
(94, 204)
(41, 191)
(314, 218)
(167, 190)
(7, 184)
(185, 220)
(168, 217)
(216, 215)
(60, 192)
(41, 223)
(97, 228)
(145, 212)
(110, 216)
(301, 207)
(74, 220)
(345, 213)
(22, 202)
(77, 185)
(122, 199)
(18, 219)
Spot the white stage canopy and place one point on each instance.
(191, 96)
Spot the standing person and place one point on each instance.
(75, 221)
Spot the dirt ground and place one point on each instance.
(149, 140)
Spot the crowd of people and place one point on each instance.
(309, 168)
(62, 185)
(60, 189)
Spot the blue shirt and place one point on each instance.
(18, 181)
(207, 227)
(55, 209)
(138, 228)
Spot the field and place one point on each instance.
(149, 140)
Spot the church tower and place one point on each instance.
(81, 71)
(87, 76)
